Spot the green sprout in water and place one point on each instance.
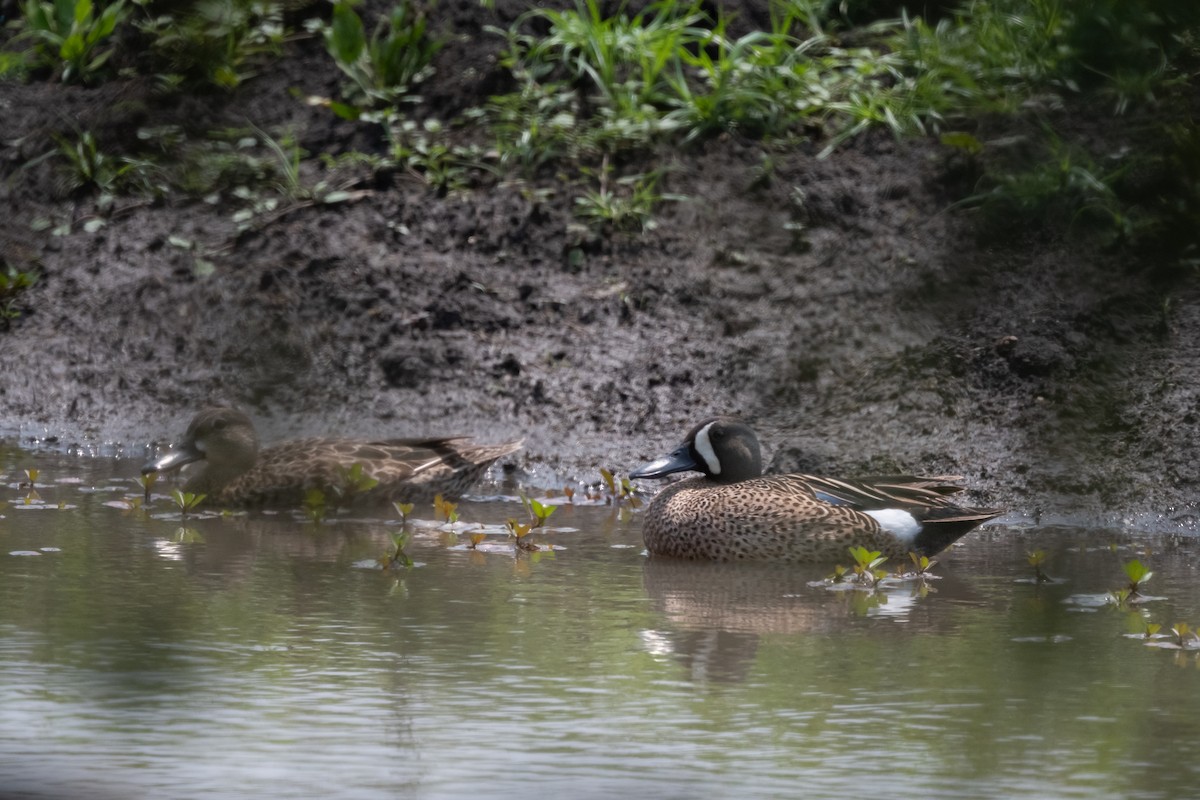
(403, 509)
(1036, 559)
(866, 565)
(1183, 633)
(186, 501)
(922, 563)
(475, 537)
(353, 481)
(520, 533)
(1138, 573)
(445, 509)
(538, 512)
(397, 555)
(315, 506)
(147, 481)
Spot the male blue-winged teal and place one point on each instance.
(736, 512)
(236, 473)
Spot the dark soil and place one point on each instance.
(839, 304)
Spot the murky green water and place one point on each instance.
(257, 657)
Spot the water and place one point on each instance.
(238, 657)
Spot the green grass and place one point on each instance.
(70, 37)
(597, 99)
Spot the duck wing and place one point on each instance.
(890, 491)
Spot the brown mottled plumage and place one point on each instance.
(735, 512)
(236, 473)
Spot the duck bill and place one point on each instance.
(173, 460)
(679, 461)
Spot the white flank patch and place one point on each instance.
(898, 522)
(705, 449)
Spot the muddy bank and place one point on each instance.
(839, 304)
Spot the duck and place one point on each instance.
(735, 512)
(235, 472)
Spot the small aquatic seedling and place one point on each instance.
(609, 481)
(403, 509)
(838, 575)
(445, 509)
(1036, 559)
(32, 474)
(147, 481)
(186, 501)
(475, 537)
(1183, 632)
(618, 492)
(353, 481)
(922, 563)
(1138, 573)
(396, 555)
(1151, 629)
(521, 533)
(538, 512)
(315, 506)
(866, 563)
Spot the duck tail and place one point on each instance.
(942, 527)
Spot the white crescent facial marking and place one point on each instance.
(704, 447)
(201, 446)
(898, 522)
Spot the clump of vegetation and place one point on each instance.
(214, 42)
(70, 37)
(385, 67)
(14, 283)
(445, 509)
(539, 512)
(1036, 559)
(867, 566)
(186, 501)
(315, 505)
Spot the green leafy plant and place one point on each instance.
(13, 284)
(186, 501)
(922, 564)
(1184, 635)
(88, 167)
(387, 66)
(147, 482)
(626, 204)
(315, 505)
(214, 41)
(1036, 559)
(445, 509)
(520, 535)
(1138, 574)
(866, 565)
(70, 36)
(538, 512)
(352, 481)
(396, 553)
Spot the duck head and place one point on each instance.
(223, 438)
(725, 449)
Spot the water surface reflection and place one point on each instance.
(255, 656)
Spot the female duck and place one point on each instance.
(736, 512)
(236, 473)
